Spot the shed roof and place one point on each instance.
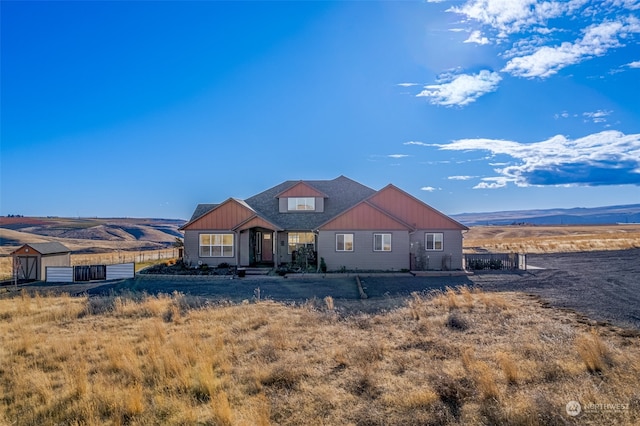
(46, 248)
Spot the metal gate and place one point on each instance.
(89, 272)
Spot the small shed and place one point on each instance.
(30, 261)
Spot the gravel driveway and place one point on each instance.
(604, 286)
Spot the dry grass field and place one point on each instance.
(552, 239)
(458, 357)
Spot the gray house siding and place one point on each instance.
(363, 256)
(450, 257)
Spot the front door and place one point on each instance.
(267, 246)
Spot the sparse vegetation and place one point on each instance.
(461, 356)
(552, 239)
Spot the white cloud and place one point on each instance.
(397, 155)
(599, 116)
(513, 16)
(635, 64)
(477, 37)
(429, 188)
(462, 89)
(596, 41)
(492, 183)
(408, 84)
(460, 177)
(605, 158)
(416, 143)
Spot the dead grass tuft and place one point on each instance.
(594, 353)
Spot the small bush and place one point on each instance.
(457, 322)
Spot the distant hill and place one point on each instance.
(89, 234)
(575, 216)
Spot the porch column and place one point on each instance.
(276, 249)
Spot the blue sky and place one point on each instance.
(145, 109)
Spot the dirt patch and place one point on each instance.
(604, 286)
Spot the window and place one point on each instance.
(381, 242)
(344, 242)
(434, 241)
(301, 239)
(301, 203)
(216, 245)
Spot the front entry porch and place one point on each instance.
(262, 248)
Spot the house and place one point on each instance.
(349, 225)
(30, 261)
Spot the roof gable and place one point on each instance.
(301, 189)
(224, 216)
(411, 210)
(364, 216)
(256, 221)
(340, 194)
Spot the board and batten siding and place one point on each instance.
(363, 256)
(452, 246)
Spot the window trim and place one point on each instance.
(211, 244)
(382, 235)
(344, 242)
(435, 241)
(306, 202)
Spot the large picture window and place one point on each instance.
(381, 242)
(434, 241)
(301, 203)
(301, 239)
(216, 245)
(344, 242)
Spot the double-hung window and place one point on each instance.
(344, 242)
(301, 203)
(381, 242)
(216, 245)
(434, 241)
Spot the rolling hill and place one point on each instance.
(89, 235)
(625, 214)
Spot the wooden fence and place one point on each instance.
(495, 261)
(124, 257)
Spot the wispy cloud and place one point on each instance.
(461, 177)
(407, 84)
(416, 143)
(461, 89)
(477, 37)
(513, 16)
(398, 155)
(430, 189)
(532, 46)
(599, 116)
(597, 40)
(605, 158)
